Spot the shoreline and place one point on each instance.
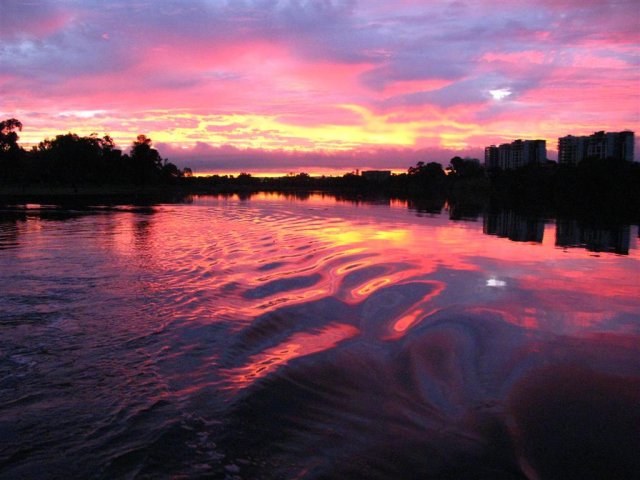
(463, 201)
(80, 190)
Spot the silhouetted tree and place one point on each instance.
(429, 171)
(417, 169)
(70, 158)
(170, 172)
(353, 181)
(297, 180)
(465, 167)
(423, 179)
(8, 136)
(11, 153)
(146, 162)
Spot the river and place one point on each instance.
(278, 337)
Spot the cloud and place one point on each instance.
(416, 66)
(205, 158)
(285, 70)
(21, 19)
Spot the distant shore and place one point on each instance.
(79, 191)
(87, 169)
(606, 189)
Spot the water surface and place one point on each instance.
(283, 338)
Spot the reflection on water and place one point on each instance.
(279, 337)
(518, 228)
(616, 238)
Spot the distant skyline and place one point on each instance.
(319, 86)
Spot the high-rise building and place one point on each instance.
(619, 145)
(509, 156)
(491, 157)
(572, 150)
(504, 154)
(517, 155)
(535, 151)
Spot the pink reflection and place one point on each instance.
(243, 259)
(413, 330)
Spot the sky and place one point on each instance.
(320, 85)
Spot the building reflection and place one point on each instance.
(515, 227)
(612, 238)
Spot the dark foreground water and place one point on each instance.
(280, 338)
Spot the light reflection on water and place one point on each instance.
(284, 338)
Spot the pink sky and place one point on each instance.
(320, 85)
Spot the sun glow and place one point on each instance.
(256, 131)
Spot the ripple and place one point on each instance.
(264, 339)
(275, 287)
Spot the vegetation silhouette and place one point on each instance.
(73, 160)
(11, 154)
(600, 187)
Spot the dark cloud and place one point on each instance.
(21, 19)
(207, 158)
(406, 67)
(76, 48)
(91, 36)
(55, 40)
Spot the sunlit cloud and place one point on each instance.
(494, 282)
(500, 93)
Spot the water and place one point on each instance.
(285, 338)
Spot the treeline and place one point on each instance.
(604, 186)
(610, 186)
(420, 180)
(72, 160)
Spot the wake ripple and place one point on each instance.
(267, 340)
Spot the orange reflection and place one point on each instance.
(352, 266)
(362, 233)
(371, 287)
(298, 345)
(416, 314)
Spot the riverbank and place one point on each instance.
(538, 193)
(82, 190)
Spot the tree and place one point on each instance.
(170, 171)
(425, 178)
(246, 179)
(11, 154)
(417, 169)
(70, 158)
(431, 171)
(146, 162)
(464, 167)
(8, 136)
